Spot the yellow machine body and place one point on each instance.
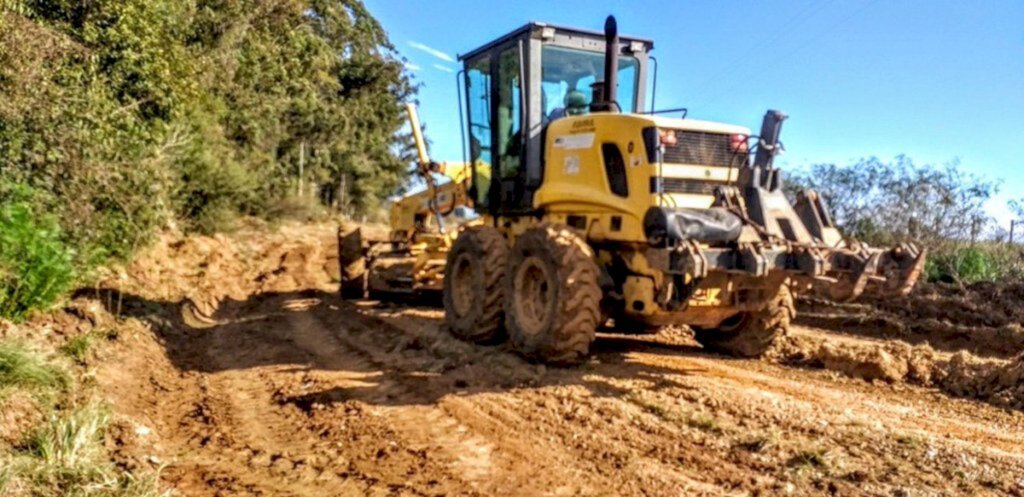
(577, 191)
(673, 220)
(576, 183)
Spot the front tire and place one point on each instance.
(474, 285)
(751, 334)
(553, 306)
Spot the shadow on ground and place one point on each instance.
(384, 356)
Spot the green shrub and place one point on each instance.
(35, 264)
(214, 187)
(976, 263)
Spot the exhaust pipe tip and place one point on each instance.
(606, 92)
(611, 28)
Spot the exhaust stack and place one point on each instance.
(611, 61)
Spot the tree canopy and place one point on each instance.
(888, 202)
(125, 114)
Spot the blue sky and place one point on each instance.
(937, 80)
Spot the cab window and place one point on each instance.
(567, 75)
(510, 113)
(478, 93)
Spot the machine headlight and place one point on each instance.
(739, 143)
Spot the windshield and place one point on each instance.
(567, 75)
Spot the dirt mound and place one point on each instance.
(207, 270)
(887, 361)
(983, 304)
(998, 382)
(995, 381)
(986, 319)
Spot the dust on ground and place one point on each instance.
(238, 370)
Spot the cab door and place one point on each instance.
(509, 137)
(481, 129)
(495, 94)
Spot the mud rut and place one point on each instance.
(301, 393)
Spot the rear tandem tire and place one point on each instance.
(352, 259)
(751, 334)
(474, 285)
(553, 306)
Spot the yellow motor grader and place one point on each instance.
(594, 210)
(410, 258)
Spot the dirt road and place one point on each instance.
(277, 387)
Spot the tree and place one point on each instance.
(887, 202)
(130, 113)
(1017, 209)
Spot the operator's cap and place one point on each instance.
(576, 103)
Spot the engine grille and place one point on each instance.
(704, 149)
(687, 186)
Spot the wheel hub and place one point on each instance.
(534, 295)
(734, 323)
(462, 285)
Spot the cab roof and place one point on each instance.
(533, 25)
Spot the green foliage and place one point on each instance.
(1017, 209)
(64, 455)
(975, 263)
(35, 264)
(127, 115)
(884, 203)
(967, 264)
(24, 368)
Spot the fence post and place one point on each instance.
(302, 167)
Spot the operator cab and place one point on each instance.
(563, 70)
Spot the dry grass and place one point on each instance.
(24, 368)
(65, 454)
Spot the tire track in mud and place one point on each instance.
(311, 367)
(250, 445)
(360, 452)
(616, 439)
(473, 436)
(806, 404)
(300, 393)
(407, 411)
(594, 439)
(754, 379)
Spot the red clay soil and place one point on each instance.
(239, 370)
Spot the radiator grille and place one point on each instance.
(687, 186)
(704, 149)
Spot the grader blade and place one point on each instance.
(901, 268)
